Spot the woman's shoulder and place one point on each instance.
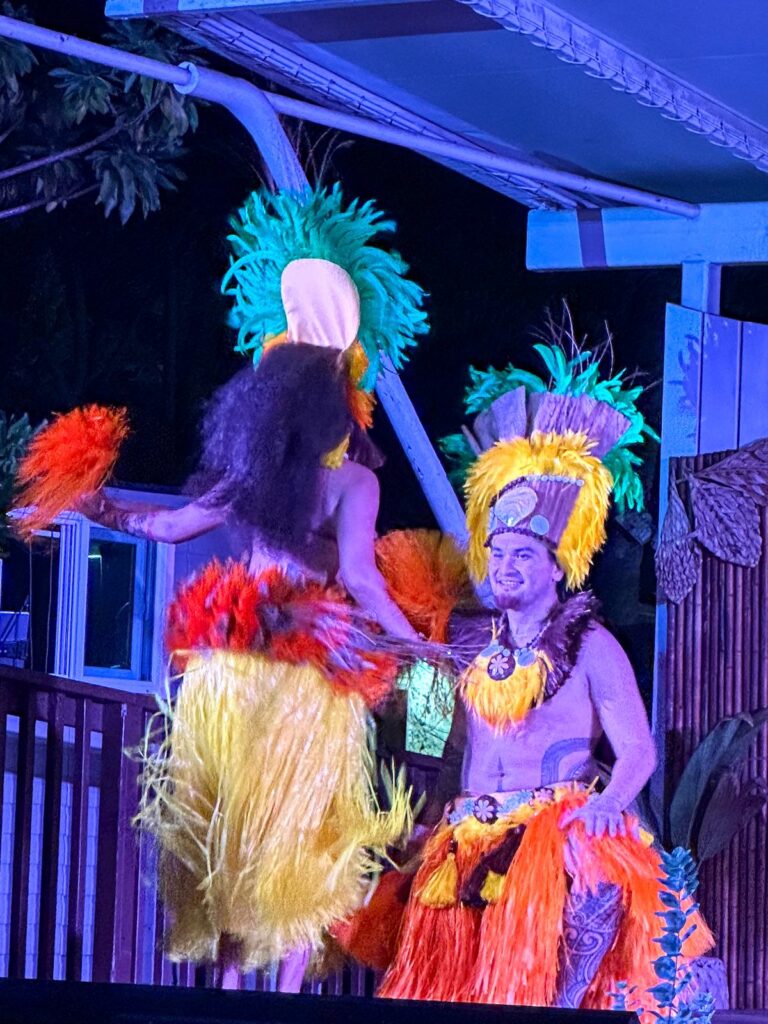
(353, 475)
(353, 487)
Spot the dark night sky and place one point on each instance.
(90, 311)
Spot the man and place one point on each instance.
(536, 889)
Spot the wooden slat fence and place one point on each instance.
(78, 898)
(717, 666)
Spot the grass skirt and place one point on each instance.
(485, 918)
(262, 799)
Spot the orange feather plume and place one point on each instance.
(426, 577)
(72, 457)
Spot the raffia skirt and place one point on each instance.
(261, 796)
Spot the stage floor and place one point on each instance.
(59, 1002)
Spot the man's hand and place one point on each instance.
(421, 834)
(601, 815)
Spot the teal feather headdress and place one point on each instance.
(270, 231)
(579, 375)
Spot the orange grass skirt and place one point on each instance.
(505, 948)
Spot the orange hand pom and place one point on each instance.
(426, 577)
(72, 457)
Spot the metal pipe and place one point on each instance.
(244, 100)
(249, 105)
(238, 95)
(481, 158)
(421, 453)
(23, 32)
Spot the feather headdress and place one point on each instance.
(272, 232)
(554, 454)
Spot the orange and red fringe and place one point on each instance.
(226, 608)
(370, 935)
(509, 952)
(67, 460)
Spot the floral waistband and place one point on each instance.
(489, 807)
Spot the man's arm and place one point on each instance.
(170, 526)
(355, 531)
(619, 707)
(449, 780)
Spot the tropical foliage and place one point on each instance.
(712, 802)
(679, 884)
(69, 128)
(15, 433)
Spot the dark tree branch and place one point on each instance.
(9, 131)
(64, 154)
(16, 211)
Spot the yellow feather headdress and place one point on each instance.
(547, 481)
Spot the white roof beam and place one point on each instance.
(723, 233)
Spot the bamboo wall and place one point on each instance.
(716, 666)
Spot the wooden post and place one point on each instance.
(680, 435)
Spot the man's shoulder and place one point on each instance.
(598, 642)
(604, 662)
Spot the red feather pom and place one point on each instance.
(72, 457)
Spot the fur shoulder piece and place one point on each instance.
(562, 640)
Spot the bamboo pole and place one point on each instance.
(759, 698)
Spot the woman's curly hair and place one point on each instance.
(264, 434)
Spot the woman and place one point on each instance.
(261, 791)
(235, 881)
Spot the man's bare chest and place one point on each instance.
(553, 743)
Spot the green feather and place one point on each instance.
(459, 456)
(487, 385)
(270, 231)
(579, 375)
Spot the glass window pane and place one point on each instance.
(109, 610)
(430, 709)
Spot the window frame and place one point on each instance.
(143, 608)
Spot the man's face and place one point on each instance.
(521, 571)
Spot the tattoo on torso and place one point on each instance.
(554, 756)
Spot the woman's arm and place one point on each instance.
(170, 526)
(355, 532)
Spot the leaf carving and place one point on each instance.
(758, 448)
(744, 471)
(727, 522)
(677, 558)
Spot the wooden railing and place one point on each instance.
(70, 794)
(78, 895)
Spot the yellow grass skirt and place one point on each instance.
(261, 797)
